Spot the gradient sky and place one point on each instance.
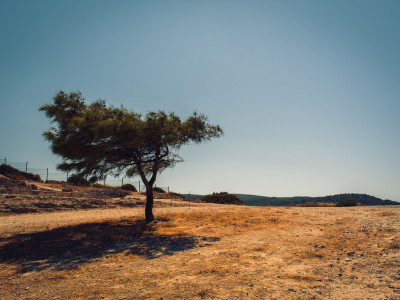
(307, 92)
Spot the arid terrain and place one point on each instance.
(201, 251)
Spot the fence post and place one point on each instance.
(47, 174)
(67, 176)
(5, 160)
(105, 180)
(139, 186)
(26, 167)
(168, 189)
(122, 181)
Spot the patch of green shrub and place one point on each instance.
(222, 198)
(129, 187)
(78, 180)
(347, 202)
(158, 190)
(13, 173)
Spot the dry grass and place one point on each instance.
(229, 220)
(206, 252)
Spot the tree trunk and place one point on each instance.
(149, 191)
(149, 204)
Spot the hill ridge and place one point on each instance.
(256, 200)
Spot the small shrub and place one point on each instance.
(347, 203)
(129, 187)
(222, 198)
(158, 190)
(78, 180)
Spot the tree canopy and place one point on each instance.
(95, 139)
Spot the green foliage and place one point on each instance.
(95, 140)
(222, 198)
(158, 190)
(347, 202)
(13, 173)
(129, 187)
(78, 179)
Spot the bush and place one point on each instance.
(129, 187)
(78, 180)
(158, 190)
(222, 198)
(347, 202)
(13, 173)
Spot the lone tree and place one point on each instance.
(95, 140)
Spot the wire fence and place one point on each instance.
(60, 176)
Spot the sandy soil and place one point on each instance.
(203, 252)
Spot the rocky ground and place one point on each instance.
(22, 196)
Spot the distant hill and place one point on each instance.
(254, 200)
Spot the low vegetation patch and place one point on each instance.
(78, 180)
(13, 173)
(129, 187)
(222, 198)
(158, 190)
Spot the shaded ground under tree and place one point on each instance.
(67, 247)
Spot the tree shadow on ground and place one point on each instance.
(67, 247)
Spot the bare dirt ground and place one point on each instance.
(202, 252)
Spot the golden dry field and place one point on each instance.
(205, 251)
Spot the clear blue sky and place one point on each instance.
(307, 92)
